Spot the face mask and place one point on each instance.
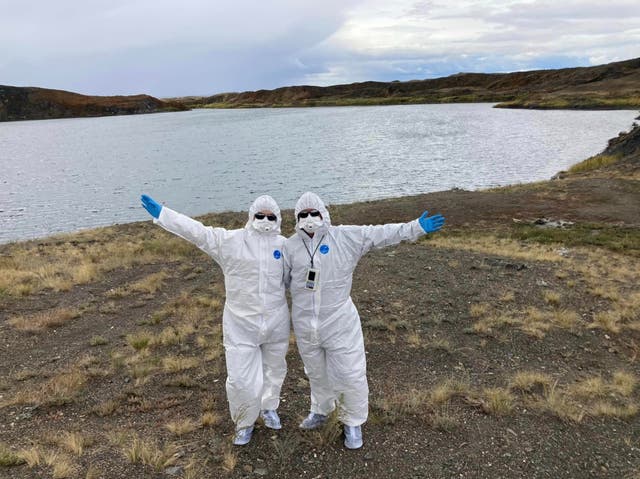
(263, 225)
(310, 224)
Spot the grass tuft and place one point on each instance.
(8, 458)
(150, 453)
(180, 427)
(497, 401)
(44, 320)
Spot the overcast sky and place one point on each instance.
(201, 47)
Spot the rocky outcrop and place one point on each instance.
(625, 144)
(28, 103)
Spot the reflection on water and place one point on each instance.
(64, 175)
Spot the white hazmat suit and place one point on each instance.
(326, 322)
(255, 320)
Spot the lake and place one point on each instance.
(69, 174)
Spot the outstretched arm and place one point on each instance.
(204, 237)
(379, 236)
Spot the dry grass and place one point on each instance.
(448, 389)
(414, 340)
(623, 383)
(84, 257)
(594, 163)
(139, 340)
(507, 297)
(440, 344)
(106, 408)
(478, 310)
(593, 396)
(561, 274)
(559, 405)
(61, 389)
(565, 318)
(98, 341)
(210, 419)
(182, 381)
(491, 244)
(44, 320)
(594, 387)
(605, 409)
(605, 292)
(551, 297)
(606, 320)
(443, 419)
(75, 442)
(93, 473)
(175, 364)
(497, 401)
(532, 321)
(62, 466)
(492, 323)
(329, 433)
(33, 457)
(150, 284)
(195, 468)
(180, 427)
(9, 458)
(149, 453)
(229, 460)
(529, 381)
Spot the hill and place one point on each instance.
(505, 346)
(28, 103)
(614, 85)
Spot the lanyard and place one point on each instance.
(314, 251)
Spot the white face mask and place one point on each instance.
(263, 225)
(310, 224)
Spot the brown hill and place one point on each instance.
(28, 103)
(614, 85)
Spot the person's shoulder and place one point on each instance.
(293, 239)
(345, 229)
(233, 234)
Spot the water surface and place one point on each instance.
(65, 175)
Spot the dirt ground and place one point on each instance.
(450, 323)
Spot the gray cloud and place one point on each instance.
(202, 47)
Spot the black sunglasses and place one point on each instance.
(261, 216)
(304, 214)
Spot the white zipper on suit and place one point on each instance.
(262, 273)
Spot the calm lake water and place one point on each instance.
(64, 175)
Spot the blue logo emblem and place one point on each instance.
(277, 254)
(324, 249)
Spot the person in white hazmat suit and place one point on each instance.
(255, 320)
(319, 263)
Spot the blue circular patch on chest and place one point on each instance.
(277, 254)
(324, 249)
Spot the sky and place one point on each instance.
(202, 47)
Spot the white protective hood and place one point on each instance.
(264, 203)
(312, 201)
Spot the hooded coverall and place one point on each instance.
(255, 320)
(326, 322)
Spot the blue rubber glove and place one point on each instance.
(151, 206)
(431, 224)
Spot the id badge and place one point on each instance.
(311, 280)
